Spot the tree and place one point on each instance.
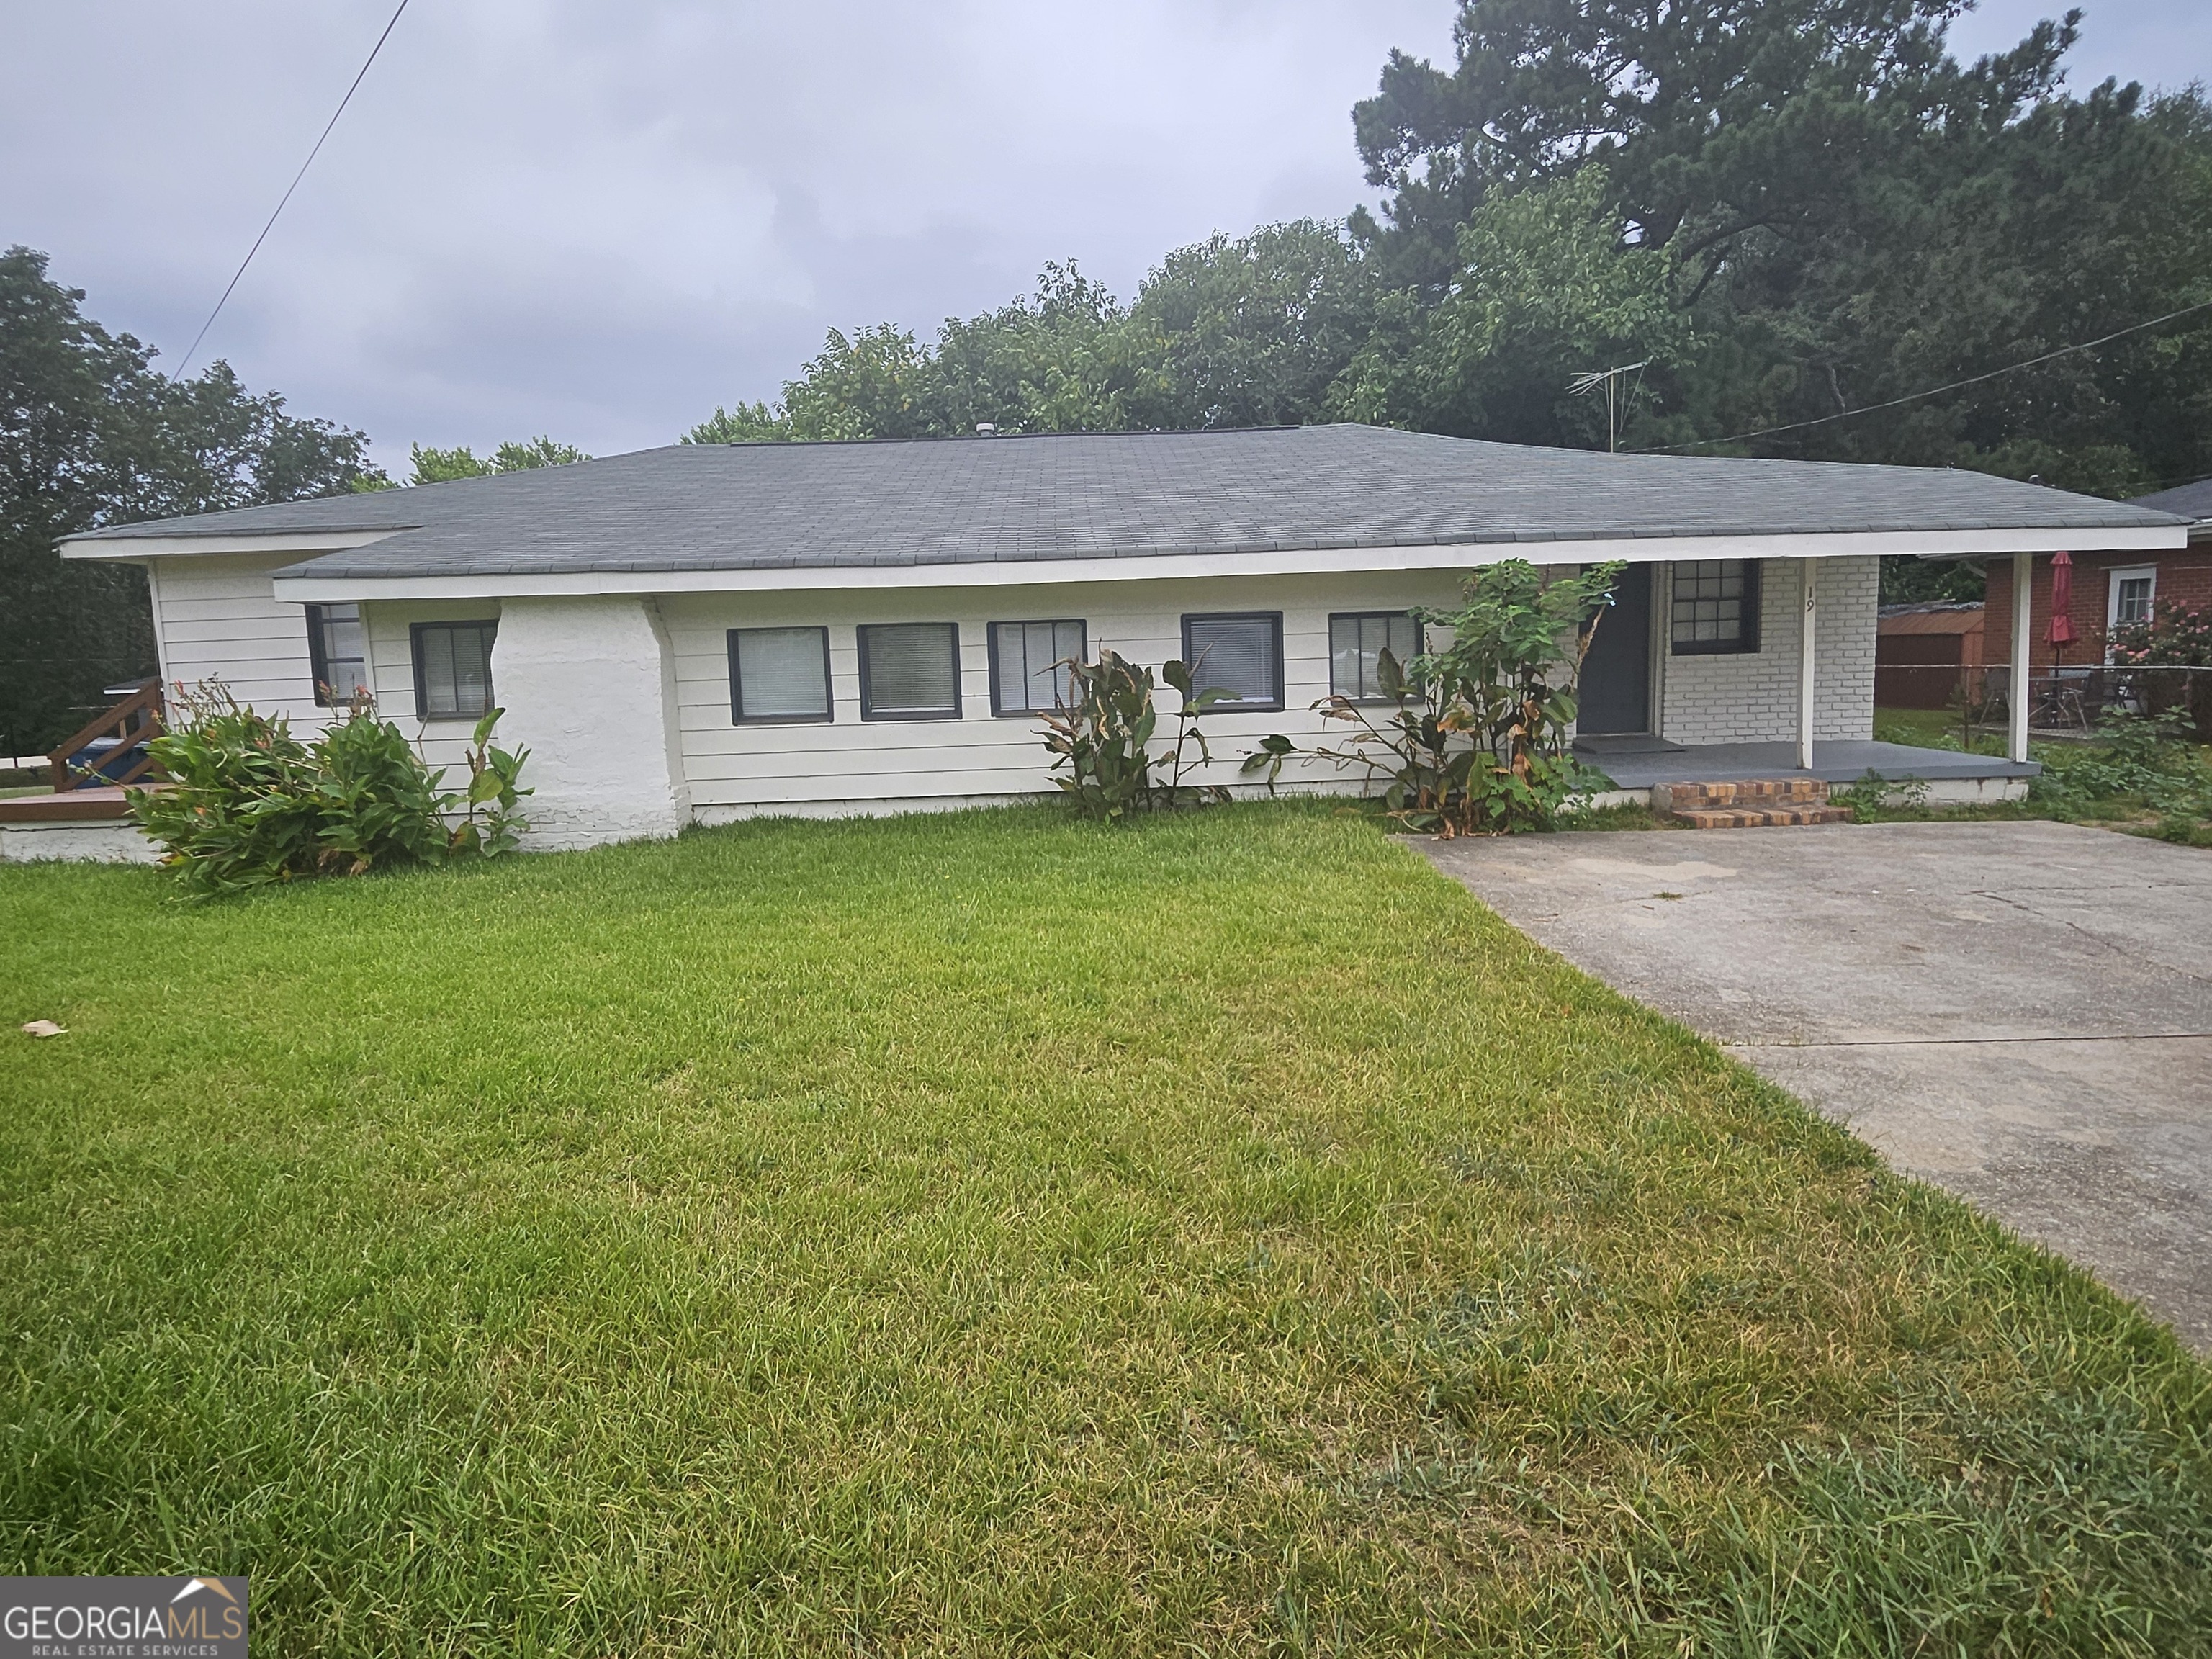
(1542, 286)
(92, 435)
(1056, 362)
(1253, 331)
(751, 424)
(1852, 216)
(442, 466)
(876, 384)
(1063, 359)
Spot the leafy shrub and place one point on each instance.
(1474, 741)
(2171, 636)
(248, 803)
(1872, 796)
(2143, 757)
(1103, 739)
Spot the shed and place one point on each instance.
(1922, 652)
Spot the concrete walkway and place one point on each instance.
(2022, 1013)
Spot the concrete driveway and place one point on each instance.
(2022, 1013)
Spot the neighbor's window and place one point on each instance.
(2132, 593)
(1240, 654)
(778, 674)
(1028, 665)
(1356, 644)
(338, 647)
(910, 671)
(1715, 606)
(453, 670)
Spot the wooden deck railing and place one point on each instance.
(134, 720)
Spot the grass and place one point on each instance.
(2049, 798)
(1933, 728)
(997, 1235)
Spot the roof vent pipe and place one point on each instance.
(985, 430)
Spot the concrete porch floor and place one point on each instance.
(1832, 763)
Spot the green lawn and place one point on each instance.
(998, 1234)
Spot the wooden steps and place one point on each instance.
(1753, 804)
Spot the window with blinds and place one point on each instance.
(910, 671)
(1028, 665)
(1240, 654)
(778, 674)
(337, 650)
(1356, 644)
(453, 670)
(1714, 607)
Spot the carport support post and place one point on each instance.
(2023, 594)
(1808, 577)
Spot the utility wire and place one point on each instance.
(185, 362)
(1914, 397)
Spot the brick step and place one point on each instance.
(1751, 792)
(1759, 817)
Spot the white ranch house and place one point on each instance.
(702, 633)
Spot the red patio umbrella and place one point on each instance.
(2061, 599)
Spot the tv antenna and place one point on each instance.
(1590, 379)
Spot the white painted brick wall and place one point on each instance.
(1752, 698)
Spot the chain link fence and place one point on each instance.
(2076, 703)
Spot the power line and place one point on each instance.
(1937, 391)
(185, 362)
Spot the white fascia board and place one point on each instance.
(1036, 573)
(128, 549)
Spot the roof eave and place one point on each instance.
(308, 543)
(305, 583)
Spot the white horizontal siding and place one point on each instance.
(856, 764)
(216, 618)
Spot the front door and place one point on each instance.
(1616, 686)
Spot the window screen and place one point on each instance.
(1715, 606)
(1028, 665)
(453, 670)
(338, 647)
(1356, 644)
(1241, 655)
(910, 671)
(780, 674)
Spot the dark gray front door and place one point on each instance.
(1616, 692)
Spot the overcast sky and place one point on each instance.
(599, 218)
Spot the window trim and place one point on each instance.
(415, 631)
(2120, 574)
(1274, 621)
(1747, 643)
(1420, 644)
(318, 656)
(738, 715)
(860, 640)
(991, 653)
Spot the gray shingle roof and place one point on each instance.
(2191, 501)
(1107, 496)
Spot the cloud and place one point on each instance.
(601, 221)
(598, 221)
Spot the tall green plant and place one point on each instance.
(1473, 739)
(1100, 739)
(247, 802)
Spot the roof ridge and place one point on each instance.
(995, 437)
